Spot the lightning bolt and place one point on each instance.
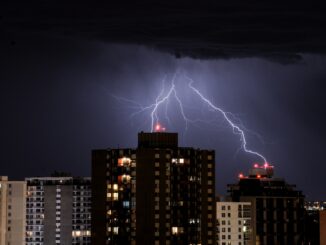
(236, 129)
(166, 94)
(160, 100)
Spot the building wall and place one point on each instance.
(12, 211)
(3, 209)
(58, 214)
(234, 223)
(51, 213)
(16, 208)
(322, 222)
(99, 196)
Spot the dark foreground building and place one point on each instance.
(278, 208)
(158, 193)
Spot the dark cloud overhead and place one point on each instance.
(276, 30)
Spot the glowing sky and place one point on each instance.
(57, 105)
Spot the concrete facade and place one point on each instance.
(12, 211)
(234, 223)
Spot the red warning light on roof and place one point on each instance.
(266, 165)
(258, 176)
(256, 165)
(241, 176)
(159, 128)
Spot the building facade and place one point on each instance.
(234, 224)
(322, 227)
(12, 211)
(278, 208)
(58, 210)
(158, 193)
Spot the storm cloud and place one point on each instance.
(277, 30)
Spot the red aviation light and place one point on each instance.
(266, 165)
(256, 165)
(258, 176)
(157, 127)
(240, 176)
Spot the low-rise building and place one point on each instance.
(234, 224)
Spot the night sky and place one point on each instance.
(63, 66)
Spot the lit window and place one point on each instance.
(115, 230)
(176, 230)
(115, 187)
(125, 179)
(115, 196)
(178, 161)
(124, 162)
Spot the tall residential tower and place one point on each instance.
(277, 207)
(157, 193)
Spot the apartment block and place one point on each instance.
(58, 210)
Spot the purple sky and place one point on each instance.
(61, 63)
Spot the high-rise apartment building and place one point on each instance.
(278, 208)
(58, 210)
(234, 224)
(12, 211)
(157, 193)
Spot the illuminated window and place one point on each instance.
(115, 230)
(174, 230)
(178, 161)
(76, 233)
(115, 196)
(115, 187)
(125, 179)
(124, 162)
